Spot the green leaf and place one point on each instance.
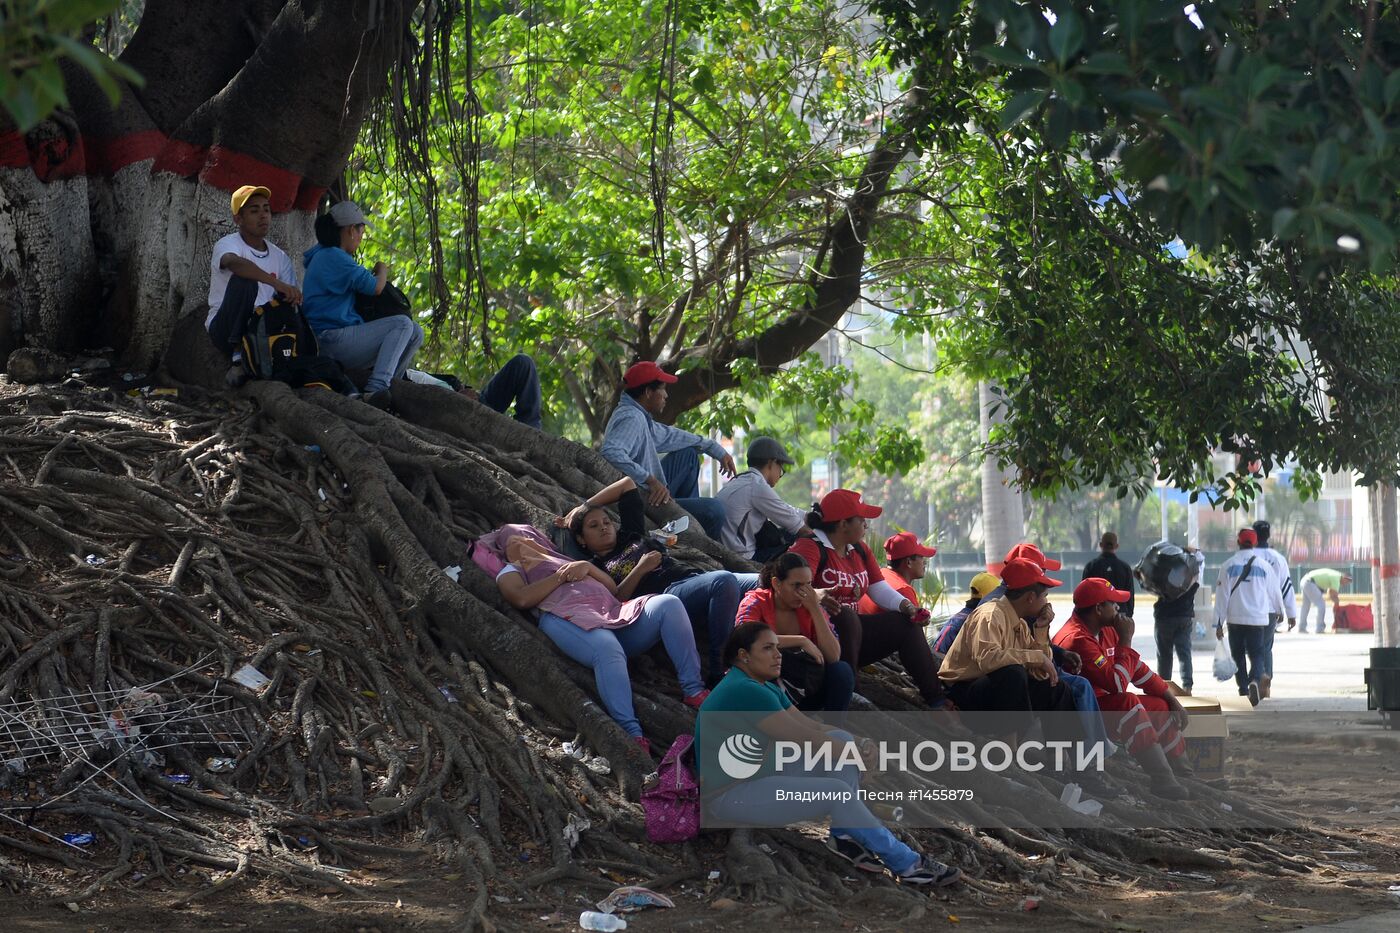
(1066, 36)
(1106, 63)
(1021, 106)
(1004, 55)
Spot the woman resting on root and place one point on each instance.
(580, 613)
(640, 565)
(786, 603)
(767, 798)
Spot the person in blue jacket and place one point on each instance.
(333, 278)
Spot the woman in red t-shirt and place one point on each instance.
(843, 571)
(813, 672)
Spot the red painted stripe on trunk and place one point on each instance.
(1390, 571)
(217, 166)
(227, 169)
(109, 156)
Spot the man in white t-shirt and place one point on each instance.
(246, 270)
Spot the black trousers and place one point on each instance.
(1016, 696)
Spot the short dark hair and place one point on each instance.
(742, 639)
(327, 231)
(779, 567)
(641, 390)
(1036, 588)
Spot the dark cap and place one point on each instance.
(1262, 529)
(762, 449)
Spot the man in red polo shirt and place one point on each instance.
(1149, 723)
(905, 561)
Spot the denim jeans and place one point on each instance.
(1174, 637)
(1087, 705)
(849, 817)
(682, 469)
(1248, 642)
(519, 382)
(713, 599)
(385, 346)
(606, 650)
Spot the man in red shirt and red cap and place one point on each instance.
(906, 560)
(1149, 723)
(634, 442)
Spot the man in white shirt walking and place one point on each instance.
(758, 524)
(1280, 565)
(1247, 592)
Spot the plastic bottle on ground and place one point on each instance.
(592, 920)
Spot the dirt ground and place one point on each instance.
(1362, 859)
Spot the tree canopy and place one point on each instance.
(1262, 137)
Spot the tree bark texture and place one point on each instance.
(108, 216)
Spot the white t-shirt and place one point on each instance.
(272, 260)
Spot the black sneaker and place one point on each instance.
(1096, 785)
(855, 853)
(929, 870)
(381, 399)
(1253, 693)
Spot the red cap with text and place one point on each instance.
(1094, 590)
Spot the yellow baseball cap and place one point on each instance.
(241, 196)
(984, 583)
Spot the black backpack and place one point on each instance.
(278, 344)
(387, 303)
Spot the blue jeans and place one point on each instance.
(714, 598)
(682, 469)
(1174, 637)
(1087, 705)
(1269, 650)
(606, 650)
(385, 347)
(849, 818)
(518, 382)
(1248, 642)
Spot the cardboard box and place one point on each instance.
(1205, 734)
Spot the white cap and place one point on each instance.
(348, 214)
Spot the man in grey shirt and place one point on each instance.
(634, 442)
(757, 522)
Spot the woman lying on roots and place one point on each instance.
(579, 611)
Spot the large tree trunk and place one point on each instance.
(108, 216)
(1003, 517)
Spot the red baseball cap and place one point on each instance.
(1021, 572)
(845, 503)
(1248, 536)
(639, 374)
(904, 545)
(1033, 554)
(1094, 590)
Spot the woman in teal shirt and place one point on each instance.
(751, 686)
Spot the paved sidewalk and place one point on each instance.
(1375, 923)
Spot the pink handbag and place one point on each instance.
(672, 803)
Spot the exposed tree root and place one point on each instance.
(174, 542)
